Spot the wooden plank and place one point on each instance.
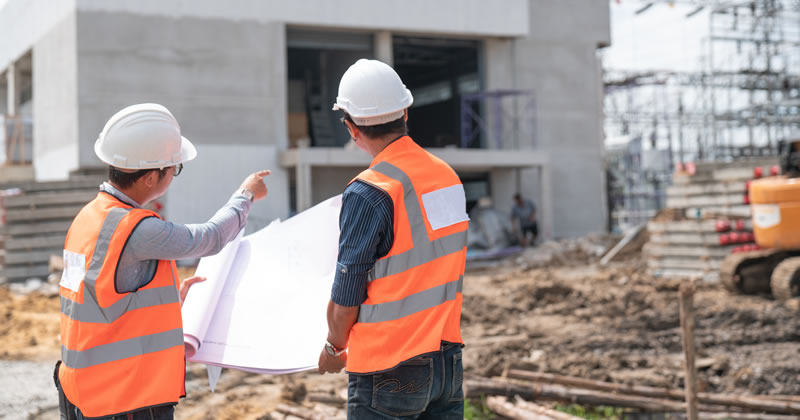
(696, 225)
(659, 250)
(49, 199)
(710, 277)
(686, 238)
(706, 201)
(686, 294)
(26, 215)
(684, 263)
(737, 187)
(31, 257)
(738, 211)
(45, 242)
(19, 229)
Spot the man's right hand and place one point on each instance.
(255, 183)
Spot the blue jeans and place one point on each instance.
(425, 387)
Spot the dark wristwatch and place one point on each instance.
(332, 350)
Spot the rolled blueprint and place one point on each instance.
(198, 308)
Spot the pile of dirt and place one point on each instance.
(618, 324)
(30, 326)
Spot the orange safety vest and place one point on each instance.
(414, 292)
(120, 351)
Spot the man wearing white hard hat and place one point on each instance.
(395, 309)
(122, 352)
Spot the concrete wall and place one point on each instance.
(55, 101)
(207, 183)
(224, 81)
(329, 182)
(25, 22)
(558, 62)
(466, 17)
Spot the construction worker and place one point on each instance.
(122, 352)
(524, 212)
(395, 309)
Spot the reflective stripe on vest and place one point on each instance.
(424, 250)
(426, 299)
(90, 310)
(123, 349)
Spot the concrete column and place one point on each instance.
(12, 94)
(546, 205)
(303, 185)
(383, 47)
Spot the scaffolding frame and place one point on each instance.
(742, 103)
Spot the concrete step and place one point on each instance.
(22, 273)
(19, 230)
(45, 242)
(44, 199)
(78, 184)
(26, 258)
(51, 213)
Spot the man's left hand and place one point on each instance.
(186, 284)
(331, 364)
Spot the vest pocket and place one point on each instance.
(404, 390)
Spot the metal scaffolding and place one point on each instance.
(743, 101)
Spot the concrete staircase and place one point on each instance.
(35, 220)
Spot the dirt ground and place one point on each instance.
(553, 309)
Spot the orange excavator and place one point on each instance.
(775, 205)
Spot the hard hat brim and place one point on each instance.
(188, 152)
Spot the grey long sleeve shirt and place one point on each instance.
(155, 239)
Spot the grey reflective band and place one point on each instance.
(122, 349)
(140, 299)
(424, 250)
(419, 234)
(90, 310)
(411, 304)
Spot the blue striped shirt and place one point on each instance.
(366, 223)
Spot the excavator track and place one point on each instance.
(785, 279)
(748, 272)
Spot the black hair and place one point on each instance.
(127, 179)
(397, 127)
(517, 197)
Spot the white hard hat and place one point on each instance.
(372, 93)
(143, 136)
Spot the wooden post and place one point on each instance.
(687, 329)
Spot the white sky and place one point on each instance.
(661, 38)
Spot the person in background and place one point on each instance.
(122, 352)
(524, 212)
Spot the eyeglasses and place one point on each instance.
(178, 169)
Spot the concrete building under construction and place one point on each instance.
(507, 92)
